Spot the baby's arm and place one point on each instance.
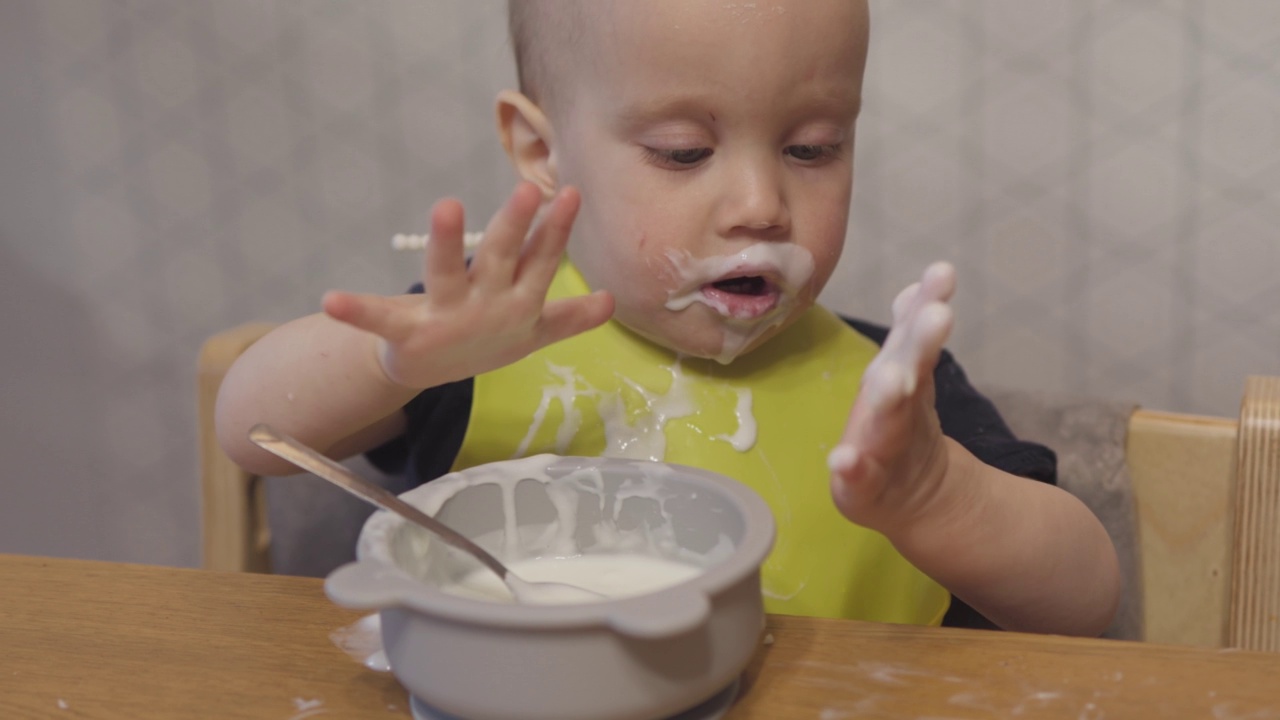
(1027, 555)
(337, 380)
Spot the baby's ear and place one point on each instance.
(526, 135)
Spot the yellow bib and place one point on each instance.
(610, 392)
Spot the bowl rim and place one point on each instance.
(745, 560)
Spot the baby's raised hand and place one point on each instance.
(477, 318)
(892, 457)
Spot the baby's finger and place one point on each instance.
(883, 389)
(445, 271)
(386, 317)
(496, 258)
(897, 373)
(938, 282)
(926, 336)
(857, 481)
(885, 385)
(903, 302)
(546, 245)
(568, 317)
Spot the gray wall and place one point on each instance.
(1104, 173)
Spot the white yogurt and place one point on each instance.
(639, 434)
(564, 392)
(745, 437)
(789, 265)
(613, 576)
(610, 558)
(645, 438)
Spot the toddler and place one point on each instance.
(649, 291)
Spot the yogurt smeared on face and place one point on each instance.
(753, 290)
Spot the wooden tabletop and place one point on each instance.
(106, 640)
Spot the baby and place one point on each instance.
(693, 160)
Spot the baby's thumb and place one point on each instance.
(856, 482)
(565, 318)
(382, 316)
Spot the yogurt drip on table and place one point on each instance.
(789, 265)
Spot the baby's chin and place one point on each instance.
(722, 342)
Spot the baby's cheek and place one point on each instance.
(648, 289)
(824, 265)
(827, 251)
(662, 272)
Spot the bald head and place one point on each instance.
(556, 40)
(549, 38)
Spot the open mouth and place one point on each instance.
(743, 297)
(753, 285)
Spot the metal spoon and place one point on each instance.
(525, 591)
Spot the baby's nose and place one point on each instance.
(755, 204)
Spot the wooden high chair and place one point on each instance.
(1205, 496)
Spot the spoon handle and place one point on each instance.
(306, 458)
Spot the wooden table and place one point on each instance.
(106, 640)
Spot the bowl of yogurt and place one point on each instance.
(675, 552)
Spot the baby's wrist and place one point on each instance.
(950, 513)
(382, 363)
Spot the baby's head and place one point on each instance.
(712, 143)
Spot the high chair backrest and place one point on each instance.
(1205, 518)
(1208, 502)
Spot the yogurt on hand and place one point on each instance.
(611, 575)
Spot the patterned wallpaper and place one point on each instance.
(1105, 174)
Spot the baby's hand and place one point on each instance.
(475, 319)
(893, 457)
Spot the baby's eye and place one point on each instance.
(680, 158)
(812, 153)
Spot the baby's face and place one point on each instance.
(713, 146)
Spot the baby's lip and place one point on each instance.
(768, 272)
(771, 276)
(744, 288)
(747, 292)
(743, 305)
